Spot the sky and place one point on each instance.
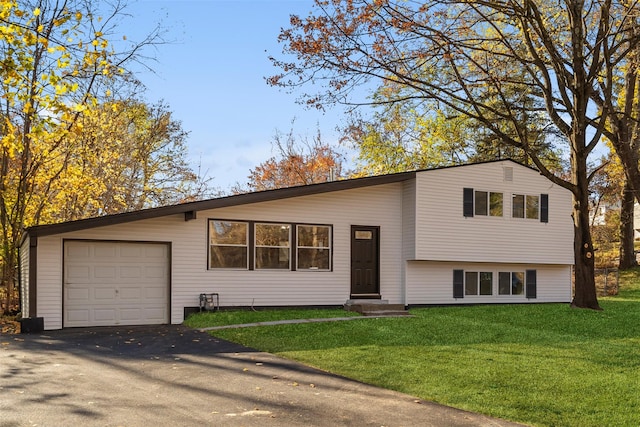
(212, 73)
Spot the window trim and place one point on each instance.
(470, 203)
(478, 283)
(256, 246)
(247, 244)
(542, 209)
(251, 245)
(329, 248)
(511, 274)
(529, 283)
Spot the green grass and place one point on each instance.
(545, 364)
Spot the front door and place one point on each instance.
(365, 256)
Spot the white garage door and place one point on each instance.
(115, 283)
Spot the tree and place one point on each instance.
(56, 61)
(472, 57)
(409, 135)
(398, 138)
(126, 156)
(298, 162)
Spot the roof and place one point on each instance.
(190, 208)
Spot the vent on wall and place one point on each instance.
(508, 174)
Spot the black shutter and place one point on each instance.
(531, 283)
(458, 283)
(544, 208)
(467, 204)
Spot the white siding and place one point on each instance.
(444, 234)
(376, 206)
(24, 277)
(432, 283)
(49, 279)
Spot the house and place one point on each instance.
(494, 232)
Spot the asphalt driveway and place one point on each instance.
(175, 376)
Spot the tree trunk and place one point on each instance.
(627, 254)
(585, 285)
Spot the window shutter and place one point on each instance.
(531, 283)
(544, 208)
(467, 204)
(458, 283)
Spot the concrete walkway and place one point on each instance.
(293, 321)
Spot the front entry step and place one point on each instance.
(368, 307)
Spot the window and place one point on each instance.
(525, 206)
(272, 246)
(478, 283)
(511, 283)
(228, 244)
(314, 247)
(481, 203)
(495, 204)
(252, 245)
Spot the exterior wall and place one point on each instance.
(432, 283)
(24, 277)
(49, 276)
(444, 234)
(375, 206)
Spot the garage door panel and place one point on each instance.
(77, 315)
(105, 272)
(78, 295)
(104, 251)
(78, 272)
(79, 251)
(116, 283)
(102, 294)
(132, 251)
(154, 313)
(131, 272)
(131, 314)
(156, 293)
(156, 252)
(128, 294)
(155, 272)
(104, 314)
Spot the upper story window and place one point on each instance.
(488, 203)
(525, 206)
(228, 244)
(314, 247)
(273, 246)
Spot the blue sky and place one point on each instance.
(212, 77)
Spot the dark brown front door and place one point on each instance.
(365, 254)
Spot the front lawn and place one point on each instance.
(546, 364)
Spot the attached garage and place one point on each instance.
(115, 283)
